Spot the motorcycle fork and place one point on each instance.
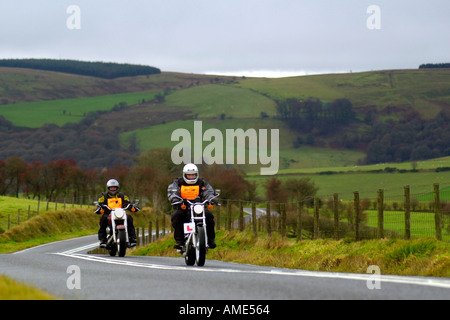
(115, 230)
(199, 221)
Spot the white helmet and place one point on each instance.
(112, 183)
(190, 168)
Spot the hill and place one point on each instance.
(391, 92)
(19, 85)
(398, 115)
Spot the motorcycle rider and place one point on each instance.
(113, 196)
(189, 187)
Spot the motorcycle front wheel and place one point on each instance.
(189, 257)
(113, 250)
(122, 243)
(200, 250)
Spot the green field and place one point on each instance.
(17, 210)
(60, 112)
(424, 90)
(159, 136)
(211, 101)
(422, 223)
(431, 164)
(368, 183)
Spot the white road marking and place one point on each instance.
(433, 282)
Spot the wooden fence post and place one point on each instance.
(357, 215)
(138, 240)
(316, 218)
(241, 215)
(157, 226)
(255, 232)
(336, 215)
(380, 208)
(299, 220)
(283, 220)
(437, 212)
(229, 215)
(268, 222)
(218, 217)
(407, 213)
(163, 220)
(150, 232)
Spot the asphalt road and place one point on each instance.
(66, 270)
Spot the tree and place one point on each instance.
(231, 182)
(58, 177)
(15, 172)
(275, 190)
(34, 179)
(300, 189)
(341, 111)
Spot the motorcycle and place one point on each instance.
(196, 239)
(117, 230)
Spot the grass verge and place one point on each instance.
(12, 290)
(48, 227)
(421, 257)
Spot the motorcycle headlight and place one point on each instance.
(119, 213)
(198, 209)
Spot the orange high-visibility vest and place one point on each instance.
(114, 203)
(190, 192)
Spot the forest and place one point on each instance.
(106, 70)
(91, 146)
(409, 139)
(312, 113)
(394, 134)
(434, 65)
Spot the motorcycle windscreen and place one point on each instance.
(114, 203)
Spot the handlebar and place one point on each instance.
(128, 207)
(195, 202)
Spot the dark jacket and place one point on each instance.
(120, 199)
(189, 191)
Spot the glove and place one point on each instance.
(212, 200)
(98, 210)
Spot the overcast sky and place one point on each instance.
(240, 37)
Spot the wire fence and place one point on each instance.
(403, 214)
(407, 216)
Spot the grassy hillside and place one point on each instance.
(211, 101)
(26, 85)
(64, 111)
(222, 103)
(425, 90)
(305, 157)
